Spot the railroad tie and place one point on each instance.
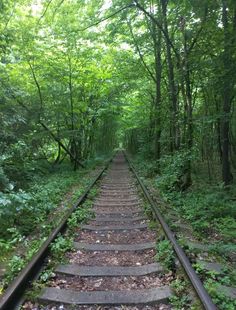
(113, 262)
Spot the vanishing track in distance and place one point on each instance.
(114, 263)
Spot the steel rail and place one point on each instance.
(15, 291)
(193, 277)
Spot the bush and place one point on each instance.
(61, 245)
(25, 210)
(165, 254)
(222, 302)
(173, 171)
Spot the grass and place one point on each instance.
(209, 209)
(61, 245)
(29, 215)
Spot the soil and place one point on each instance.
(112, 237)
(109, 258)
(110, 283)
(31, 306)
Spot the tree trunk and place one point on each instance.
(227, 89)
(158, 73)
(175, 142)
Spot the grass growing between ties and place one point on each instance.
(180, 299)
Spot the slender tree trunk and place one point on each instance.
(175, 143)
(75, 159)
(72, 138)
(58, 155)
(218, 130)
(189, 118)
(227, 84)
(158, 73)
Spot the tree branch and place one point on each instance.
(45, 127)
(37, 85)
(107, 17)
(198, 33)
(45, 11)
(140, 7)
(139, 52)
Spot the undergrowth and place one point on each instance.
(27, 216)
(165, 254)
(62, 245)
(208, 206)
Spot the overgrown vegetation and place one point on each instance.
(79, 78)
(61, 245)
(207, 206)
(27, 219)
(213, 281)
(210, 211)
(180, 299)
(165, 254)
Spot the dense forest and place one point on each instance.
(160, 75)
(81, 78)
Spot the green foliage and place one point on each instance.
(15, 265)
(4, 181)
(209, 210)
(46, 275)
(61, 245)
(81, 215)
(180, 298)
(24, 211)
(93, 193)
(223, 249)
(14, 211)
(173, 170)
(226, 225)
(148, 210)
(212, 279)
(153, 225)
(222, 302)
(33, 211)
(17, 262)
(165, 254)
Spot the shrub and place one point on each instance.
(165, 254)
(173, 171)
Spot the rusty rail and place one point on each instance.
(15, 291)
(193, 277)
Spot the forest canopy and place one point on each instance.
(79, 78)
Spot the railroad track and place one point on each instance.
(113, 263)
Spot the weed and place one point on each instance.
(15, 265)
(165, 254)
(46, 275)
(219, 298)
(148, 210)
(153, 224)
(61, 245)
(81, 215)
(93, 193)
(180, 300)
